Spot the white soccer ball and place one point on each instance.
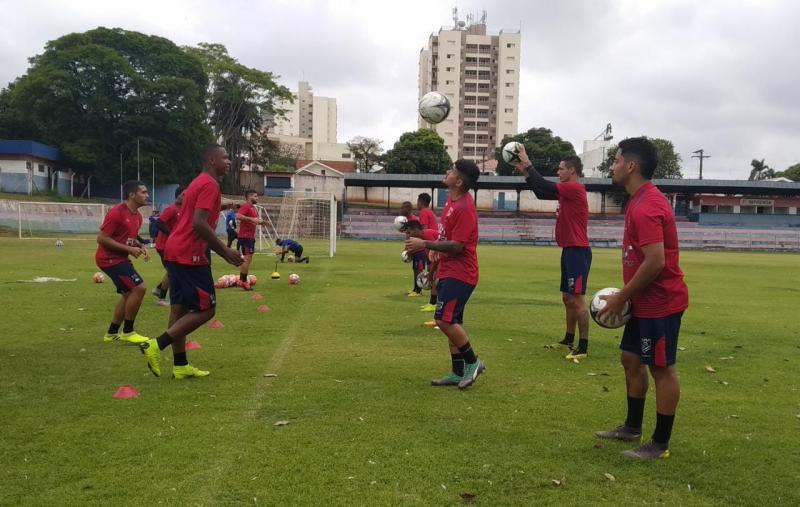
(434, 107)
(606, 320)
(294, 279)
(400, 222)
(405, 257)
(510, 152)
(59, 243)
(424, 280)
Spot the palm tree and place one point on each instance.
(760, 171)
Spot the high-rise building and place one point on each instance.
(309, 121)
(479, 73)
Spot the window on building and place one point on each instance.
(509, 97)
(41, 168)
(509, 71)
(508, 110)
(449, 56)
(509, 85)
(724, 209)
(28, 164)
(780, 211)
(510, 58)
(511, 45)
(449, 69)
(346, 155)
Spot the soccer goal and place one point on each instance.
(266, 231)
(55, 219)
(311, 219)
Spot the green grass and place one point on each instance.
(353, 363)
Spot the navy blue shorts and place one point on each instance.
(575, 265)
(419, 261)
(123, 275)
(161, 254)
(655, 341)
(246, 246)
(452, 297)
(298, 253)
(191, 286)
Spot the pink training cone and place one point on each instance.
(216, 324)
(256, 297)
(192, 345)
(125, 392)
(264, 308)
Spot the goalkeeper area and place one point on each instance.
(326, 398)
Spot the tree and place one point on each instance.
(418, 152)
(94, 94)
(791, 172)
(366, 152)
(240, 98)
(669, 162)
(265, 152)
(760, 170)
(544, 150)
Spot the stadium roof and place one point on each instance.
(29, 148)
(669, 186)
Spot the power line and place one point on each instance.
(699, 154)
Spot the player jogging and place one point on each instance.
(165, 223)
(117, 239)
(458, 271)
(248, 220)
(658, 295)
(572, 220)
(186, 256)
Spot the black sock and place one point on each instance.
(569, 337)
(432, 300)
(663, 430)
(467, 353)
(127, 326)
(113, 328)
(243, 277)
(164, 341)
(583, 344)
(458, 364)
(635, 413)
(162, 292)
(180, 359)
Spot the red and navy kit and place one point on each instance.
(572, 220)
(458, 274)
(122, 225)
(427, 219)
(247, 230)
(168, 217)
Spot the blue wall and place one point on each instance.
(747, 220)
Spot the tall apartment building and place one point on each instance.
(310, 119)
(479, 73)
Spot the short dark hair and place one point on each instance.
(209, 150)
(424, 198)
(412, 224)
(407, 204)
(574, 162)
(278, 241)
(469, 170)
(131, 187)
(643, 151)
(178, 191)
(249, 192)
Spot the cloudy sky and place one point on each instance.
(722, 75)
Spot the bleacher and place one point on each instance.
(537, 229)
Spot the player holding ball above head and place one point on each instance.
(458, 271)
(186, 256)
(572, 221)
(117, 239)
(658, 296)
(248, 220)
(289, 245)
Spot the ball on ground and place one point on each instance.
(99, 277)
(294, 279)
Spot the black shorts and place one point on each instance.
(191, 286)
(419, 261)
(451, 298)
(161, 254)
(232, 235)
(575, 265)
(298, 253)
(246, 246)
(123, 275)
(655, 341)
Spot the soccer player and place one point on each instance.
(186, 256)
(658, 295)
(248, 220)
(418, 259)
(415, 230)
(165, 223)
(230, 224)
(428, 221)
(116, 240)
(572, 220)
(288, 245)
(458, 271)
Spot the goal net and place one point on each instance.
(266, 233)
(57, 219)
(310, 218)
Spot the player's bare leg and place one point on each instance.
(244, 270)
(577, 316)
(636, 388)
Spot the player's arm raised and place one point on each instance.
(542, 188)
(108, 243)
(648, 271)
(201, 227)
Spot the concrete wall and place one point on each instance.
(315, 183)
(745, 220)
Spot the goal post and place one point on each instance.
(55, 219)
(311, 219)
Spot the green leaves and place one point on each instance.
(669, 162)
(418, 152)
(544, 150)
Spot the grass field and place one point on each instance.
(353, 364)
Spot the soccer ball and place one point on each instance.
(605, 320)
(400, 222)
(405, 257)
(294, 279)
(510, 152)
(290, 258)
(424, 280)
(59, 243)
(99, 277)
(251, 279)
(434, 107)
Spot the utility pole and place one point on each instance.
(699, 154)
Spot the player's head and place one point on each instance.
(135, 191)
(406, 208)
(464, 175)
(412, 228)
(423, 200)
(215, 158)
(570, 168)
(178, 191)
(636, 158)
(279, 241)
(251, 196)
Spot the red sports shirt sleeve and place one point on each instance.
(111, 222)
(207, 197)
(569, 190)
(168, 213)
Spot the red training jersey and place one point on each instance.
(184, 246)
(648, 220)
(247, 230)
(460, 223)
(122, 225)
(427, 219)
(169, 217)
(572, 215)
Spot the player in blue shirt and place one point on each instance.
(230, 225)
(288, 245)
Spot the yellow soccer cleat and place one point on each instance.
(188, 371)
(133, 337)
(427, 308)
(111, 337)
(153, 356)
(413, 294)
